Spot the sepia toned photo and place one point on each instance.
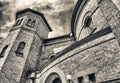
(59, 41)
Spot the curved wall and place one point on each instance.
(98, 53)
(97, 16)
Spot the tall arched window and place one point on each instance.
(20, 48)
(3, 51)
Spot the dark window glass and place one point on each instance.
(87, 21)
(92, 78)
(3, 51)
(20, 48)
(51, 57)
(80, 79)
(33, 23)
(57, 80)
(18, 22)
(30, 23)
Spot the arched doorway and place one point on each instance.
(57, 80)
(53, 78)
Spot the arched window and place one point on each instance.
(3, 51)
(18, 22)
(20, 48)
(30, 23)
(51, 57)
(33, 23)
(87, 21)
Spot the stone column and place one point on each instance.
(112, 14)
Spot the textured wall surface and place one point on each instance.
(98, 19)
(100, 56)
(15, 67)
(48, 49)
(98, 53)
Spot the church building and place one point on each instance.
(89, 54)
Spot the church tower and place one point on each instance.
(21, 50)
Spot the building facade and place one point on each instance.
(90, 54)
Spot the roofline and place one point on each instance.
(59, 37)
(76, 12)
(35, 12)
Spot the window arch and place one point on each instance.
(18, 22)
(87, 21)
(30, 23)
(53, 78)
(3, 51)
(20, 48)
(33, 23)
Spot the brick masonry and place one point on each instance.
(99, 56)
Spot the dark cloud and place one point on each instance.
(58, 14)
(47, 7)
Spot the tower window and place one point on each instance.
(92, 78)
(33, 23)
(30, 23)
(80, 79)
(87, 21)
(20, 48)
(18, 22)
(3, 51)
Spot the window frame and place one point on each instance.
(20, 48)
(3, 51)
(30, 23)
(92, 78)
(80, 79)
(87, 21)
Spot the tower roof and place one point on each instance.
(35, 12)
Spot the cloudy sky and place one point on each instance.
(57, 12)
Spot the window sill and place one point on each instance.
(20, 54)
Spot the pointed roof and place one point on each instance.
(35, 12)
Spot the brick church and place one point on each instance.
(89, 54)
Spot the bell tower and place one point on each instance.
(22, 47)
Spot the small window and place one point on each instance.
(18, 22)
(51, 57)
(87, 21)
(92, 78)
(21, 48)
(80, 79)
(3, 51)
(30, 23)
(33, 23)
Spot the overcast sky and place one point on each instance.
(57, 12)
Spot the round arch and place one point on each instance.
(53, 78)
(54, 73)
